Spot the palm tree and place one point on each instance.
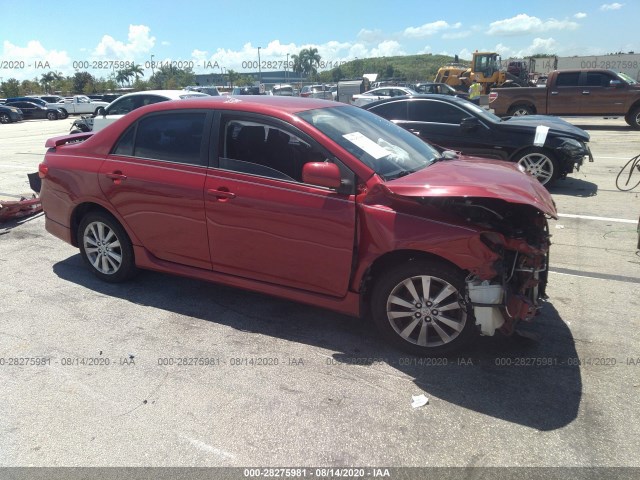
(297, 63)
(48, 78)
(123, 76)
(136, 71)
(309, 60)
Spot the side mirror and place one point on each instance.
(469, 124)
(100, 111)
(616, 83)
(323, 174)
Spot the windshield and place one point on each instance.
(386, 148)
(627, 78)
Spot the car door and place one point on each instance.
(440, 123)
(565, 98)
(29, 110)
(600, 97)
(154, 177)
(264, 223)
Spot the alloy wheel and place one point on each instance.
(425, 311)
(102, 248)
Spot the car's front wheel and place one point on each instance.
(52, 116)
(105, 247)
(419, 306)
(5, 118)
(63, 114)
(540, 163)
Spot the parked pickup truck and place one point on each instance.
(80, 104)
(592, 92)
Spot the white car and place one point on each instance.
(127, 103)
(379, 94)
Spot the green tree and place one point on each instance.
(11, 88)
(80, 80)
(48, 78)
(233, 77)
(170, 77)
(136, 71)
(123, 76)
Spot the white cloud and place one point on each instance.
(370, 36)
(539, 45)
(388, 48)
(139, 43)
(34, 53)
(580, 15)
(523, 24)
(164, 43)
(429, 29)
(611, 6)
(426, 49)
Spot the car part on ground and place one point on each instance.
(25, 206)
(435, 248)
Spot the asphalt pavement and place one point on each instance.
(167, 371)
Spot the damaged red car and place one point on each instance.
(312, 201)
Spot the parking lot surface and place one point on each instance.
(167, 371)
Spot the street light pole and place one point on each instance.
(259, 69)
(286, 70)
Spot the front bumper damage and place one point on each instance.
(516, 294)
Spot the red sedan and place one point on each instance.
(309, 200)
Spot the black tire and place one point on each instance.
(412, 322)
(75, 130)
(52, 116)
(110, 260)
(633, 118)
(541, 163)
(5, 118)
(520, 110)
(63, 113)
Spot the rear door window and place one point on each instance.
(172, 137)
(568, 79)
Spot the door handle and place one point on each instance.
(221, 193)
(586, 92)
(116, 176)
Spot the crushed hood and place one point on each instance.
(475, 177)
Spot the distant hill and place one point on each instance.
(409, 68)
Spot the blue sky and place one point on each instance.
(226, 35)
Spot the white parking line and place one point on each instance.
(602, 219)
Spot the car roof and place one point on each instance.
(265, 104)
(424, 96)
(172, 94)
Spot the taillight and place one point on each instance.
(306, 94)
(493, 96)
(43, 169)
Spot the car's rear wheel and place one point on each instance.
(519, 111)
(633, 118)
(63, 114)
(419, 306)
(106, 247)
(5, 118)
(540, 163)
(52, 116)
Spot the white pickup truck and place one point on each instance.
(80, 104)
